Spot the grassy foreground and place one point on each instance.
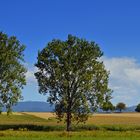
(83, 135)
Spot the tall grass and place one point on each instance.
(83, 135)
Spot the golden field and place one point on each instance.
(100, 119)
(42, 118)
(42, 115)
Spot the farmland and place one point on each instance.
(99, 119)
(132, 119)
(40, 126)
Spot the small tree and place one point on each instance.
(71, 73)
(108, 106)
(120, 106)
(137, 108)
(12, 71)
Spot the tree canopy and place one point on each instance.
(137, 108)
(120, 106)
(108, 106)
(73, 75)
(12, 71)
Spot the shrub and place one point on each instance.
(137, 108)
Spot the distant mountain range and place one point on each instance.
(130, 109)
(37, 106)
(32, 106)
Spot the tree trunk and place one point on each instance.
(68, 121)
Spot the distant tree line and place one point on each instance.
(109, 107)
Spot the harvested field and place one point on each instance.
(98, 119)
(119, 114)
(115, 118)
(42, 118)
(13, 113)
(42, 115)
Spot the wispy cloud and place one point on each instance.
(124, 79)
(31, 69)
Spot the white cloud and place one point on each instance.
(30, 74)
(124, 79)
(30, 91)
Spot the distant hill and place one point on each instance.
(38, 106)
(33, 106)
(130, 109)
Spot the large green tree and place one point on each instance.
(73, 75)
(12, 71)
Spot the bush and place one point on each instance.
(137, 108)
(120, 106)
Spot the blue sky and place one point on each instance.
(113, 24)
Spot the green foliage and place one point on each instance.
(75, 79)
(137, 108)
(12, 72)
(120, 106)
(108, 106)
